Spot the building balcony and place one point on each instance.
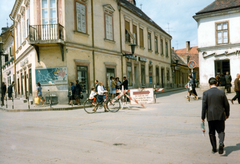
(47, 33)
(40, 35)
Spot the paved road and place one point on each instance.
(167, 132)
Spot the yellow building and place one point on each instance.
(59, 41)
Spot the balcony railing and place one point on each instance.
(45, 33)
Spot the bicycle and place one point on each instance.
(112, 106)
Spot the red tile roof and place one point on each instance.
(193, 54)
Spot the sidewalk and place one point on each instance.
(20, 106)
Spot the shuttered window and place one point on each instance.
(141, 37)
(109, 26)
(149, 41)
(127, 30)
(135, 34)
(161, 46)
(81, 17)
(156, 44)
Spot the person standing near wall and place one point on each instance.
(10, 90)
(228, 82)
(216, 107)
(4, 89)
(237, 89)
(78, 92)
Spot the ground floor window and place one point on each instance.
(82, 76)
(143, 74)
(129, 73)
(222, 66)
(157, 75)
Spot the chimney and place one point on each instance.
(132, 1)
(188, 46)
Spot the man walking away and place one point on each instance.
(216, 107)
(237, 89)
(228, 82)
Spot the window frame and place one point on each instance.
(127, 34)
(166, 49)
(149, 41)
(135, 31)
(161, 46)
(105, 26)
(141, 37)
(75, 16)
(156, 44)
(222, 30)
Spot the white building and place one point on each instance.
(218, 39)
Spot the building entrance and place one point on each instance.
(82, 76)
(110, 72)
(222, 66)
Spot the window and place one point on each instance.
(222, 33)
(108, 26)
(156, 44)
(127, 31)
(82, 76)
(141, 37)
(157, 75)
(150, 74)
(168, 75)
(30, 81)
(149, 41)
(166, 49)
(23, 28)
(27, 19)
(143, 74)
(129, 73)
(81, 17)
(161, 45)
(19, 34)
(49, 14)
(135, 34)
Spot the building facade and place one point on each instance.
(59, 41)
(218, 39)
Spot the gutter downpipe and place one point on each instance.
(15, 76)
(93, 52)
(120, 28)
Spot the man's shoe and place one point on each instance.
(214, 151)
(220, 150)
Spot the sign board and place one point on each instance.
(143, 96)
(142, 59)
(191, 64)
(46, 76)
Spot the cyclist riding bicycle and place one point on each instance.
(100, 95)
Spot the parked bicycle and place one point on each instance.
(112, 106)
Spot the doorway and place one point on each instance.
(162, 77)
(82, 76)
(222, 66)
(110, 72)
(136, 77)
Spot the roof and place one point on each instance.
(176, 57)
(193, 54)
(135, 10)
(218, 5)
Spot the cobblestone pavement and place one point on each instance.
(167, 132)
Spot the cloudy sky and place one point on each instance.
(174, 16)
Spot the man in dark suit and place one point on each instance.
(215, 105)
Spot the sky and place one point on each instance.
(174, 16)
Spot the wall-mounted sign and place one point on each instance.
(131, 57)
(142, 59)
(48, 76)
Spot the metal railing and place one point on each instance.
(46, 32)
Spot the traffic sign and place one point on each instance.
(191, 64)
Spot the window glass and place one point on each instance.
(143, 74)
(109, 27)
(44, 4)
(224, 26)
(219, 26)
(81, 17)
(53, 3)
(225, 37)
(156, 44)
(149, 41)
(219, 37)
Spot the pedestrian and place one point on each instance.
(216, 107)
(72, 93)
(78, 92)
(228, 82)
(96, 86)
(218, 79)
(236, 89)
(118, 82)
(125, 85)
(191, 88)
(113, 86)
(4, 89)
(39, 94)
(222, 80)
(100, 95)
(10, 90)
(92, 95)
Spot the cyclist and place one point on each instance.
(100, 95)
(92, 95)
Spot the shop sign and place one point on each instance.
(143, 96)
(142, 59)
(131, 57)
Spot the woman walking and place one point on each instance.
(39, 93)
(191, 88)
(71, 93)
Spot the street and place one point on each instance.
(167, 132)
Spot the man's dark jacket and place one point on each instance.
(215, 104)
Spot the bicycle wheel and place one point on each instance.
(113, 106)
(88, 107)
